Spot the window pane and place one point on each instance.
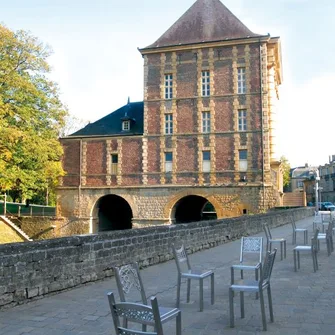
(206, 155)
(206, 166)
(243, 154)
(168, 156)
(114, 158)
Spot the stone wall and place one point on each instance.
(33, 269)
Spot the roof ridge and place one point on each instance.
(204, 21)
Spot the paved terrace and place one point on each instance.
(304, 301)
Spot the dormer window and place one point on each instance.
(126, 125)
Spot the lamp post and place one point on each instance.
(317, 178)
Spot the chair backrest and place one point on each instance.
(314, 242)
(329, 230)
(251, 245)
(128, 278)
(181, 258)
(326, 217)
(267, 231)
(267, 267)
(294, 226)
(137, 313)
(317, 218)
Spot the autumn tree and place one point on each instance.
(286, 171)
(31, 116)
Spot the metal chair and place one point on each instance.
(297, 230)
(185, 271)
(313, 249)
(270, 240)
(127, 278)
(255, 286)
(250, 246)
(137, 313)
(328, 237)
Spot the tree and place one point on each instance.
(286, 171)
(31, 116)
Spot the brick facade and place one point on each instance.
(141, 163)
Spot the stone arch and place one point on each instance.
(168, 209)
(111, 212)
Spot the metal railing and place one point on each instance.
(20, 209)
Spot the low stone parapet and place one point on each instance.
(33, 269)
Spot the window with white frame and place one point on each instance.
(242, 120)
(243, 160)
(168, 161)
(168, 86)
(206, 161)
(206, 122)
(114, 164)
(168, 124)
(205, 80)
(241, 81)
(126, 125)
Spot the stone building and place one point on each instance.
(199, 146)
(327, 180)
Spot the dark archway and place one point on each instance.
(114, 213)
(194, 208)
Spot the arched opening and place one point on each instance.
(114, 213)
(193, 208)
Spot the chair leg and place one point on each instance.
(178, 324)
(285, 249)
(305, 237)
(270, 303)
(201, 292)
(295, 260)
(178, 292)
(261, 298)
(316, 260)
(298, 253)
(294, 237)
(188, 290)
(242, 304)
(256, 278)
(212, 288)
(231, 307)
(281, 251)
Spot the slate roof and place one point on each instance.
(205, 21)
(112, 123)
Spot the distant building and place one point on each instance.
(201, 144)
(327, 180)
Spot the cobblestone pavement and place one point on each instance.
(304, 301)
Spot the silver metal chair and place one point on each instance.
(250, 246)
(255, 286)
(298, 230)
(128, 278)
(185, 271)
(313, 249)
(328, 237)
(138, 313)
(270, 240)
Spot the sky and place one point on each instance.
(97, 65)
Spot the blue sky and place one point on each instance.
(97, 65)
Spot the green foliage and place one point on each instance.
(31, 116)
(286, 171)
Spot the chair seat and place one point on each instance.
(303, 248)
(196, 274)
(167, 313)
(300, 229)
(246, 285)
(246, 266)
(277, 240)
